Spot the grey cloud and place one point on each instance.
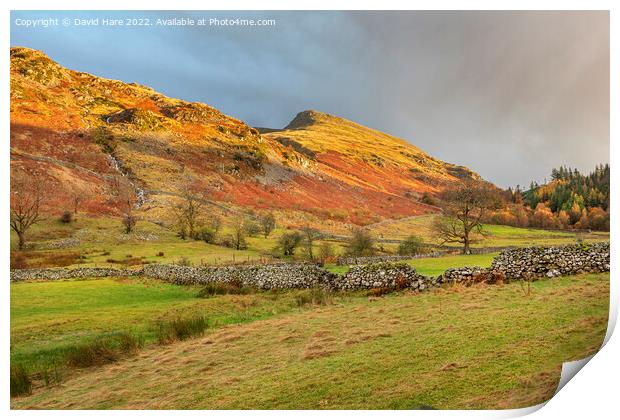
(509, 94)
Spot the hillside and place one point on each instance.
(87, 135)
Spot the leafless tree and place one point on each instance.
(127, 202)
(26, 199)
(464, 207)
(78, 195)
(310, 235)
(189, 209)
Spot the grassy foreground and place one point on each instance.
(478, 347)
(49, 317)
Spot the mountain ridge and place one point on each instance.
(319, 163)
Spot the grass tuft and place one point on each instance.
(102, 350)
(21, 383)
(314, 297)
(182, 329)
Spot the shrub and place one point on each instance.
(18, 260)
(184, 262)
(205, 234)
(288, 242)
(21, 384)
(412, 245)
(181, 329)
(128, 261)
(67, 217)
(427, 199)
(129, 222)
(102, 350)
(315, 296)
(24, 259)
(252, 227)
(227, 242)
(496, 277)
(182, 233)
(326, 252)
(51, 375)
(361, 244)
(160, 254)
(267, 223)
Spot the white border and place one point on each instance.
(592, 393)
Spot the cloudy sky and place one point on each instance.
(508, 94)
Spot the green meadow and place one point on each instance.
(477, 347)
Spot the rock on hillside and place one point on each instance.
(87, 133)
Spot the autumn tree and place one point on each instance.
(239, 233)
(464, 207)
(564, 219)
(27, 193)
(543, 217)
(584, 220)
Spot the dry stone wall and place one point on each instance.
(384, 258)
(267, 276)
(385, 276)
(553, 261)
(69, 273)
(517, 263)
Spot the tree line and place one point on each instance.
(571, 200)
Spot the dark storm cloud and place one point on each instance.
(509, 94)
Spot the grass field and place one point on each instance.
(102, 243)
(478, 347)
(434, 266)
(48, 317)
(494, 235)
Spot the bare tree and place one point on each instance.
(310, 235)
(464, 208)
(189, 210)
(26, 199)
(78, 195)
(127, 202)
